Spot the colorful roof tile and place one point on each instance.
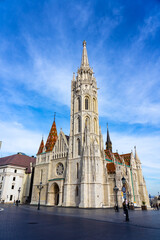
(111, 168)
(108, 154)
(52, 138)
(117, 157)
(127, 158)
(41, 147)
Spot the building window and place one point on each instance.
(2, 178)
(12, 187)
(79, 146)
(15, 170)
(77, 170)
(77, 193)
(79, 124)
(95, 125)
(14, 178)
(79, 104)
(41, 175)
(3, 170)
(86, 103)
(11, 196)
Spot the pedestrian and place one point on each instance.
(124, 207)
(125, 211)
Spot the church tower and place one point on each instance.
(84, 178)
(108, 141)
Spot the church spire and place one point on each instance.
(40, 150)
(84, 62)
(108, 141)
(52, 137)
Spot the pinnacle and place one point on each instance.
(84, 62)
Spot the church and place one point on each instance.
(76, 170)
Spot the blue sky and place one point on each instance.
(41, 47)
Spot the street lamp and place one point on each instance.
(19, 190)
(39, 188)
(123, 181)
(116, 189)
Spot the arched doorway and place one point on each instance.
(53, 197)
(56, 194)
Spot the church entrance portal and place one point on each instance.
(54, 195)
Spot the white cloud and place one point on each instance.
(15, 138)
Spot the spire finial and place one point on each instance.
(54, 116)
(84, 61)
(84, 43)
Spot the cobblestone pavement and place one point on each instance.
(26, 222)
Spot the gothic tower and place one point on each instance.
(83, 185)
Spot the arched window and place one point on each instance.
(79, 124)
(77, 170)
(87, 122)
(79, 146)
(77, 192)
(95, 125)
(86, 103)
(94, 105)
(79, 104)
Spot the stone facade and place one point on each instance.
(76, 170)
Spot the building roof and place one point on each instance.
(117, 157)
(127, 158)
(40, 150)
(52, 138)
(111, 168)
(108, 154)
(18, 160)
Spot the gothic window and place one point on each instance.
(79, 124)
(79, 146)
(77, 170)
(94, 105)
(95, 125)
(87, 122)
(79, 104)
(77, 191)
(86, 103)
(41, 175)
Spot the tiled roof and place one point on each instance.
(52, 138)
(117, 157)
(108, 154)
(127, 158)
(111, 168)
(18, 160)
(41, 147)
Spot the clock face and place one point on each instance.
(60, 169)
